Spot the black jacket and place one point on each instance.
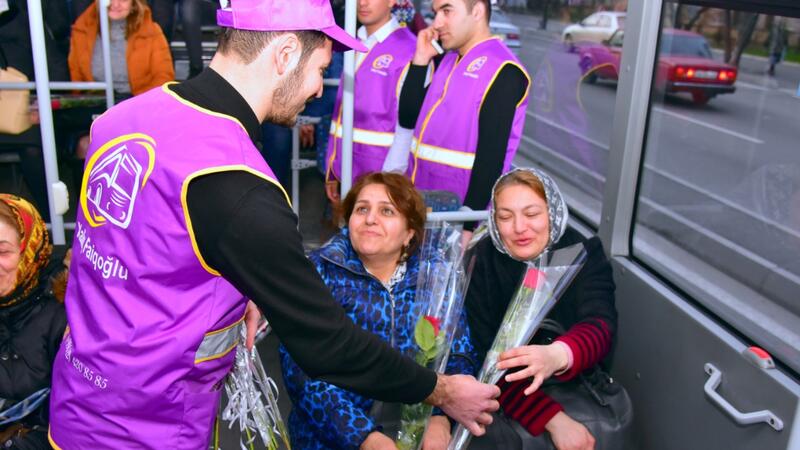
(496, 277)
(30, 334)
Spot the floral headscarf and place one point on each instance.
(556, 209)
(35, 249)
(403, 11)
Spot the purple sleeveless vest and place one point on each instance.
(377, 83)
(151, 326)
(446, 135)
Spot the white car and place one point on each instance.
(500, 25)
(596, 28)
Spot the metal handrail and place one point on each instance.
(457, 216)
(43, 86)
(56, 85)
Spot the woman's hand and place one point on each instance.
(378, 441)
(569, 434)
(437, 436)
(540, 362)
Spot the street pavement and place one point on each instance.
(727, 172)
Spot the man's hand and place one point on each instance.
(466, 236)
(437, 435)
(540, 361)
(377, 441)
(466, 400)
(425, 51)
(332, 191)
(568, 434)
(307, 135)
(252, 317)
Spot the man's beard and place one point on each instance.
(285, 100)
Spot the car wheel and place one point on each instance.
(700, 98)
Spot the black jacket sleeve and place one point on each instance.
(412, 96)
(494, 127)
(246, 230)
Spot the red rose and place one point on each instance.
(436, 324)
(532, 278)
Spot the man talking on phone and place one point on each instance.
(469, 120)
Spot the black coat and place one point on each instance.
(496, 277)
(30, 334)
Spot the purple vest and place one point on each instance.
(377, 82)
(446, 134)
(151, 326)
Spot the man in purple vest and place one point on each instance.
(180, 222)
(378, 79)
(468, 124)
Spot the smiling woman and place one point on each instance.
(31, 325)
(529, 219)
(371, 268)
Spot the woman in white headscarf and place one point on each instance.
(528, 219)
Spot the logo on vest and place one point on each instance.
(475, 66)
(115, 175)
(381, 63)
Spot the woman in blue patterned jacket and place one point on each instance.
(371, 267)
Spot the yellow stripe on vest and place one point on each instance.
(445, 156)
(366, 137)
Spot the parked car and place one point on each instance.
(596, 28)
(499, 25)
(685, 64)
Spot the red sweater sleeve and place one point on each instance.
(590, 342)
(531, 411)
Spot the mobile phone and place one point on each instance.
(437, 46)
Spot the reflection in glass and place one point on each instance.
(721, 176)
(568, 127)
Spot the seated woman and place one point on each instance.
(528, 217)
(140, 55)
(371, 267)
(32, 322)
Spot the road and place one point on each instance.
(728, 170)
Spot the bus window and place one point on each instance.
(718, 212)
(568, 126)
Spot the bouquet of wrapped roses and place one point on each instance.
(253, 402)
(441, 285)
(542, 284)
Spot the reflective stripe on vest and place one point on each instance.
(366, 137)
(446, 156)
(217, 344)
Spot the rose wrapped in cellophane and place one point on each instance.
(544, 281)
(441, 285)
(253, 402)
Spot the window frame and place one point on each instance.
(758, 319)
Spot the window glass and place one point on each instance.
(719, 201)
(616, 39)
(591, 20)
(604, 22)
(568, 124)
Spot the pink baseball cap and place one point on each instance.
(287, 15)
